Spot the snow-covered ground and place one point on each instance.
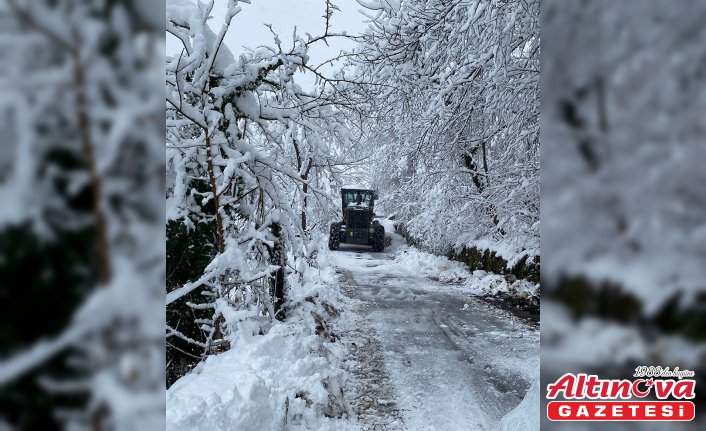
(409, 260)
(393, 340)
(427, 354)
(288, 379)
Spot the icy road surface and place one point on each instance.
(428, 355)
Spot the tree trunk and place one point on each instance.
(277, 283)
(84, 125)
(305, 190)
(214, 193)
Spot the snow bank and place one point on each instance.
(436, 267)
(446, 270)
(276, 379)
(441, 268)
(492, 284)
(289, 378)
(524, 417)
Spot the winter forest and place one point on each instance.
(325, 214)
(435, 106)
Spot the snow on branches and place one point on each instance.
(455, 119)
(250, 152)
(81, 203)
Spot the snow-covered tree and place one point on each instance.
(253, 155)
(455, 119)
(81, 192)
(622, 170)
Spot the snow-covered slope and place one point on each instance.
(289, 378)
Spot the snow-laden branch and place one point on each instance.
(253, 154)
(21, 363)
(455, 131)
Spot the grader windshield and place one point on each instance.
(357, 197)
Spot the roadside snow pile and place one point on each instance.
(480, 282)
(435, 267)
(443, 269)
(289, 378)
(492, 284)
(524, 417)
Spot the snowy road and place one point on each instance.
(428, 355)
